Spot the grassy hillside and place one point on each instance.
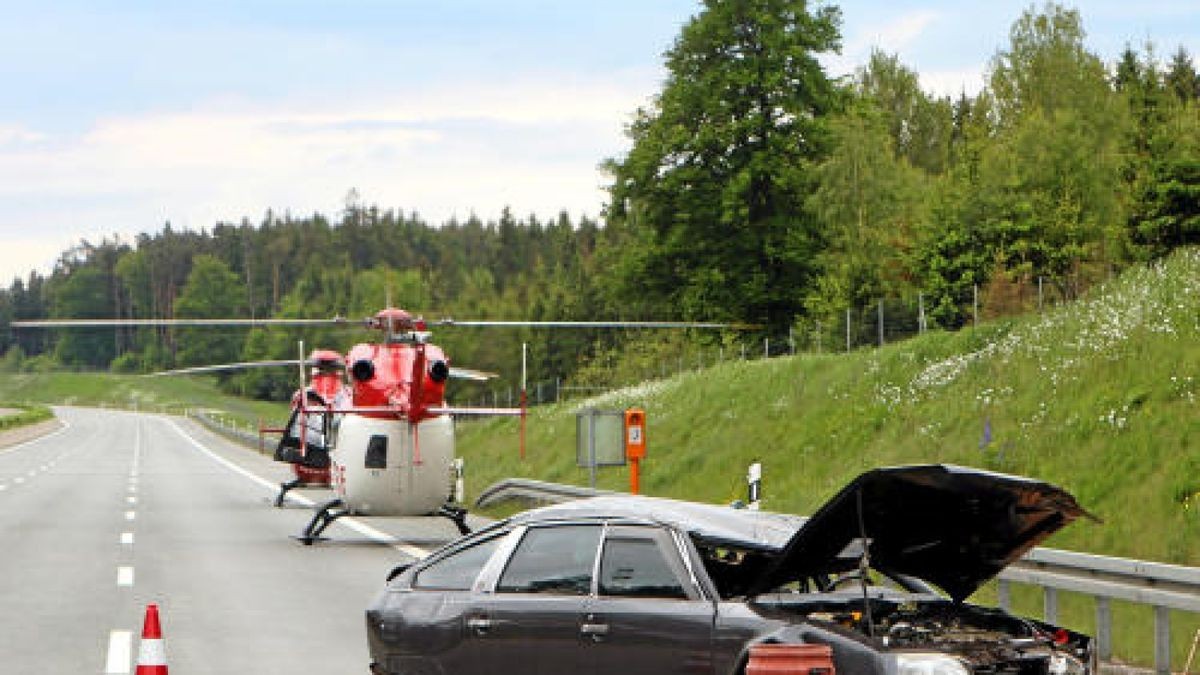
(170, 394)
(1101, 397)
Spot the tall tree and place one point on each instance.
(1181, 77)
(212, 291)
(867, 201)
(708, 204)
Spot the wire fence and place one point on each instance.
(882, 322)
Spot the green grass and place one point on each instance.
(134, 392)
(1101, 397)
(24, 415)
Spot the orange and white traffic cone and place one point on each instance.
(152, 654)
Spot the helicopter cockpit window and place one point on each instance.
(457, 571)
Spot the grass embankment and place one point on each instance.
(135, 392)
(23, 415)
(1100, 396)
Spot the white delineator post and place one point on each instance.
(754, 486)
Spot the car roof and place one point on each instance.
(719, 525)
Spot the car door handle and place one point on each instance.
(479, 625)
(596, 631)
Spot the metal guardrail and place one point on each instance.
(533, 491)
(216, 425)
(1161, 586)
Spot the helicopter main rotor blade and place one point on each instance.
(471, 374)
(224, 367)
(595, 324)
(140, 323)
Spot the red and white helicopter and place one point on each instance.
(388, 432)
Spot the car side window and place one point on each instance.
(557, 559)
(457, 571)
(635, 564)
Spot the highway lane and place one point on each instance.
(118, 510)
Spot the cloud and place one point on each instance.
(17, 135)
(894, 35)
(531, 143)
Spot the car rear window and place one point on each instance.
(458, 570)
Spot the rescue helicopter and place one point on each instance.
(388, 432)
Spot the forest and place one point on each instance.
(756, 188)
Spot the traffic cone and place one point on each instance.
(152, 654)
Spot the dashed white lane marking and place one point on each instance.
(19, 479)
(356, 525)
(130, 515)
(133, 488)
(127, 538)
(119, 651)
(124, 576)
(33, 473)
(3, 488)
(131, 500)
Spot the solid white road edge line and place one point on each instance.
(39, 439)
(357, 526)
(119, 643)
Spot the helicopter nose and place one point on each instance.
(362, 370)
(439, 371)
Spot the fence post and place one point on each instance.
(1103, 628)
(1050, 604)
(1039, 292)
(1162, 640)
(791, 341)
(975, 306)
(1003, 595)
(881, 322)
(766, 348)
(920, 313)
(847, 329)
(818, 337)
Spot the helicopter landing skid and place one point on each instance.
(284, 488)
(457, 515)
(325, 515)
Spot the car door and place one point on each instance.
(648, 616)
(532, 620)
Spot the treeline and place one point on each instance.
(756, 189)
(288, 267)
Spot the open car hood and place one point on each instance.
(951, 526)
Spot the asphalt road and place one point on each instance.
(118, 510)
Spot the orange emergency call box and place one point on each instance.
(635, 434)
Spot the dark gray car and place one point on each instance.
(636, 585)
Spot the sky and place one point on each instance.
(117, 117)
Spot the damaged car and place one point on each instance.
(624, 584)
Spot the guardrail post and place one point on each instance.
(1103, 628)
(1003, 595)
(1162, 640)
(1050, 604)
